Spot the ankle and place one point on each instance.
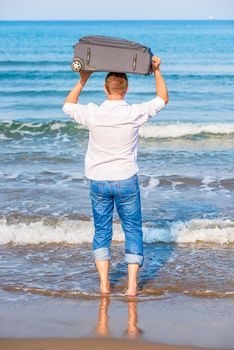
(105, 283)
(131, 291)
(132, 287)
(105, 287)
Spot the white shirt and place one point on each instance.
(113, 133)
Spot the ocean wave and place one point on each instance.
(151, 182)
(184, 129)
(146, 293)
(196, 230)
(32, 63)
(18, 129)
(44, 93)
(50, 292)
(77, 231)
(14, 129)
(35, 74)
(147, 183)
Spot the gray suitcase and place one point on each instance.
(107, 54)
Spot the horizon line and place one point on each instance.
(116, 19)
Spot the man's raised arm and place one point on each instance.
(75, 92)
(161, 88)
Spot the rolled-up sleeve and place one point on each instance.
(77, 111)
(144, 111)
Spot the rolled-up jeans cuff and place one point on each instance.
(101, 253)
(134, 259)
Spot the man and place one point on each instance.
(111, 166)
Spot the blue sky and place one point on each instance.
(115, 9)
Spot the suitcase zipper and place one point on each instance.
(121, 47)
(112, 43)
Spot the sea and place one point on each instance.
(185, 158)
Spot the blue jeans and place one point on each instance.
(126, 196)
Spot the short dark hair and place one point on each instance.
(116, 83)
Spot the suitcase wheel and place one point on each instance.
(77, 65)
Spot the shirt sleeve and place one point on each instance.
(80, 113)
(146, 110)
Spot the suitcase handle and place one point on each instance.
(134, 62)
(88, 55)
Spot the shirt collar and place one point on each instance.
(114, 103)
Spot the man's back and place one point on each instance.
(113, 127)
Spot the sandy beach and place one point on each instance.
(86, 344)
(42, 322)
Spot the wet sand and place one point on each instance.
(86, 344)
(41, 322)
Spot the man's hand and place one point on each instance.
(84, 76)
(155, 63)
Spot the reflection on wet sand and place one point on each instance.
(133, 330)
(102, 327)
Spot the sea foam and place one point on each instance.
(183, 129)
(151, 130)
(77, 231)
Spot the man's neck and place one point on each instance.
(115, 97)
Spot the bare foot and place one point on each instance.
(105, 288)
(131, 292)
